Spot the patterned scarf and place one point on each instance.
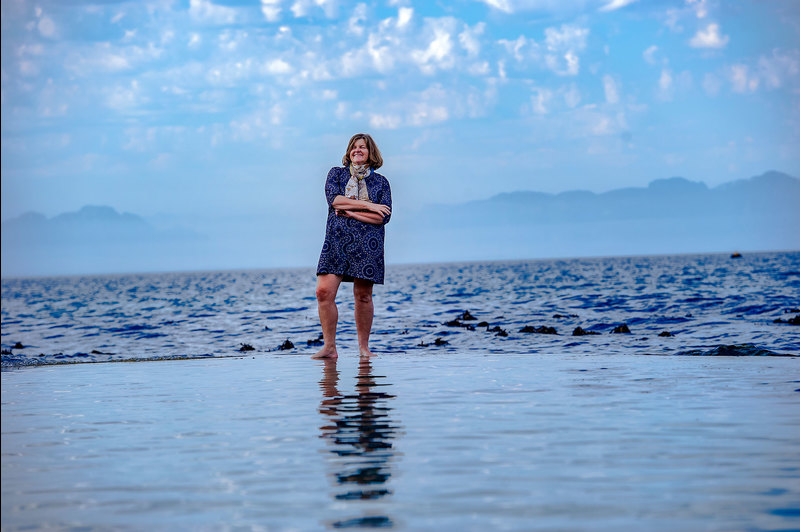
(356, 187)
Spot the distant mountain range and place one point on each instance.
(94, 239)
(675, 197)
(672, 215)
(89, 224)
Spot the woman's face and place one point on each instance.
(359, 154)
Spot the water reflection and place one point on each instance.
(360, 430)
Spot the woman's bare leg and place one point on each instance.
(327, 286)
(365, 310)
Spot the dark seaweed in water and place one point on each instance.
(708, 302)
(740, 350)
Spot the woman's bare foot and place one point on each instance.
(365, 352)
(326, 352)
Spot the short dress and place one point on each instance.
(352, 248)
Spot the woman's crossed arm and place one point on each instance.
(362, 216)
(345, 203)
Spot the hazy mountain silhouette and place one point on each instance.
(672, 215)
(675, 197)
(93, 239)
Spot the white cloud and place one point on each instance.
(122, 98)
(46, 27)
(540, 100)
(385, 121)
(558, 53)
(277, 66)
(207, 11)
(699, 6)
(669, 84)
(548, 6)
(105, 57)
(439, 50)
(114, 62)
(567, 37)
(572, 96)
(28, 68)
(258, 124)
(404, 15)
(354, 25)
(271, 9)
(351, 63)
(230, 41)
(469, 39)
(515, 47)
(741, 80)
(391, 45)
(770, 72)
(381, 50)
(500, 5)
(424, 114)
(569, 67)
(434, 105)
(610, 89)
(563, 44)
(479, 69)
(277, 113)
(301, 8)
(29, 49)
(175, 90)
(709, 38)
(665, 84)
(650, 54)
(616, 4)
(194, 40)
(775, 70)
(672, 20)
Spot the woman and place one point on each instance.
(359, 205)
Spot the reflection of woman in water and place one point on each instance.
(359, 205)
(361, 433)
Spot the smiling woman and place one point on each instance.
(359, 205)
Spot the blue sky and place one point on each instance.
(205, 108)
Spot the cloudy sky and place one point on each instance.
(234, 106)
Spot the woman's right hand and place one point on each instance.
(381, 209)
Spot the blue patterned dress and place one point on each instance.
(354, 249)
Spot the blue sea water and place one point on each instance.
(703, 301)
(478, 431)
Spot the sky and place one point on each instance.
(224, 108)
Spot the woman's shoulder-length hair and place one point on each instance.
(375, 159)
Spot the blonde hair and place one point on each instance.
(375, 159)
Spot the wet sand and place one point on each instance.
(426, 441)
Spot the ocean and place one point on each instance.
(704, 302)
(502, 422)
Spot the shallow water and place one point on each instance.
(474, 441)
(704, 301)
